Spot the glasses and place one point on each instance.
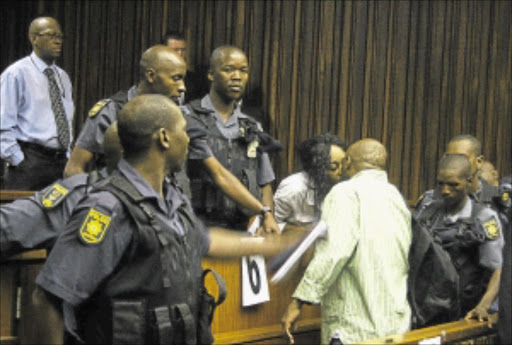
(52, 36)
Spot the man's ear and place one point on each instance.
(150, 75)
(348, 161)
(479, 162)
(164, 138)
(32, 38)
(210, 75)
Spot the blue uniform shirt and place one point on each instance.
(35, 222)
(25, 109)
(93, 131)
(75, 269)
(230, 130)
(92, 134)
(489, 252)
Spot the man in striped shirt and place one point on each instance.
(359, 271)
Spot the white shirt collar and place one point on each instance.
(40, 64)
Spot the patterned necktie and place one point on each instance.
(58, 109)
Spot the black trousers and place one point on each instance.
(41, 167)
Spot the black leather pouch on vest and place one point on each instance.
(207, 305)
(128, 322)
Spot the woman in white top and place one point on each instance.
(298, 198)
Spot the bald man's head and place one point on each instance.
(365, 154)
(46, 38)
(152, 131)
(489, 173)
(112, 147)
(41, 23)
(470, 146)
(162, 71)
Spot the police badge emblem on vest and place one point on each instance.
(251, 149)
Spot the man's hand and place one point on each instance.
(270, 224)
(480, 312)
(290, 316)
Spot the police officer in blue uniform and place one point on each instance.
(162, 71)
(236, 139)
(35, 222)
(479, 189)
(127, 268)
(470, 232)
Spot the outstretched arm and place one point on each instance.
(228, 243)
(236, 191)
(480, 312)
(77, 162)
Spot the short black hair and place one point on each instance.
(220, 53)
(141, 118)
(475, 143)
(172, 34)
(456, 161)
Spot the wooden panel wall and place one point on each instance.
(410, 73)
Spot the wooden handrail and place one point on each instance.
(452, 332)
(11, 195)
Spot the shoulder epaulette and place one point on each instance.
(120, 98)
(196, 108)
(54, 195)
(57, 192)
(97, 107)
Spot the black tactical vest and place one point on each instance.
(239, 156)
(461, 240)
(486, 194)
(153, 296)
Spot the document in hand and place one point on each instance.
(296, 252)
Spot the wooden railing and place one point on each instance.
(458, 332)
(233, 324)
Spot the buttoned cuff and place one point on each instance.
(307, 291)
(16, 158)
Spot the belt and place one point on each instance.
(49, 152)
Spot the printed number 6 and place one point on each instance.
(254, 275)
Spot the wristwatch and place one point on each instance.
(265, 209)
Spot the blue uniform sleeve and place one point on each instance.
(88, 251)
(490, 252)
(28, 224)
(93, 132)
(198, 147)
(25, 226)
(204, 235)
(265, 171)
